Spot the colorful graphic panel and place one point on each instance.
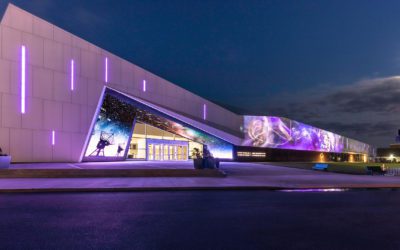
(112, 130)
(127, 109)
(278, 132)
(218, 147)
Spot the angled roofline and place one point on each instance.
(201, 126)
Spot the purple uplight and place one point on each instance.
(23, 75)
(144, 85)
(204, 111)
(306, 190)
(53, 138)
(72, 74)
(106, 70)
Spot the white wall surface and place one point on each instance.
(50, 103)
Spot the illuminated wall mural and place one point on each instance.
(116, 118)
(112, 130)
(278, 132)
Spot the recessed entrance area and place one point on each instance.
(166, 150)
(154, 144)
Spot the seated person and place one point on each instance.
(208, 159)
(196, 154)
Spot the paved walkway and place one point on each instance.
(240, 176)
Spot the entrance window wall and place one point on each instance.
(163, 150)
(158, 144)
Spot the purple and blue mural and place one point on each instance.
(283, 133)
(115, 122)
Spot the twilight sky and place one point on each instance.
(333, 64)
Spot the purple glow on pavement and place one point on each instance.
(144, 85)
(307, 190)
(72, 74)
(53, 138)
(106, 70)
(204, 111)
(23, 75)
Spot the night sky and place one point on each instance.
(333, 64)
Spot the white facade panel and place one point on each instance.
(52, 115)
(10, 111)
(21, 145)
(42, 83)
(11, 43)
(50, 101)
(43, 28)
(53, 55)
(42, 150)
(5, 76)
(33, 117)
(36, 49)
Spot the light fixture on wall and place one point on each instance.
(204, 111)
(53, 137)
(144, 85)
(23, 78)
(72, 75)
(106, 70)
(321, 157)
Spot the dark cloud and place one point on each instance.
(368, 96)
(361, 128)
(366, 110)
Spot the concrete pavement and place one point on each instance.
(239, 176)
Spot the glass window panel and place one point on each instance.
(137, 148)
(166, 155)
(153, 132)
(157, 152)
(168, 136)
(151, 152)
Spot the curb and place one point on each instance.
(227, 188)
(109, 173)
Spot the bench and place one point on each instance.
(202, 163)
(371, 170)
(320, 166)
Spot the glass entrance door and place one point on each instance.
(165, 153)
(164, 150)
(157, 152)
(150, 152)
(172, 150)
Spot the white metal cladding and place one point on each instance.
(62, 96)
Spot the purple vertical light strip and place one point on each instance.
(106, 70)
(204, 111)
(53, 138)
(23, 75)
(144, 85)
(72, 75)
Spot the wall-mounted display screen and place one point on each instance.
(278, 132)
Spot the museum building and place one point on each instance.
(64, 99)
